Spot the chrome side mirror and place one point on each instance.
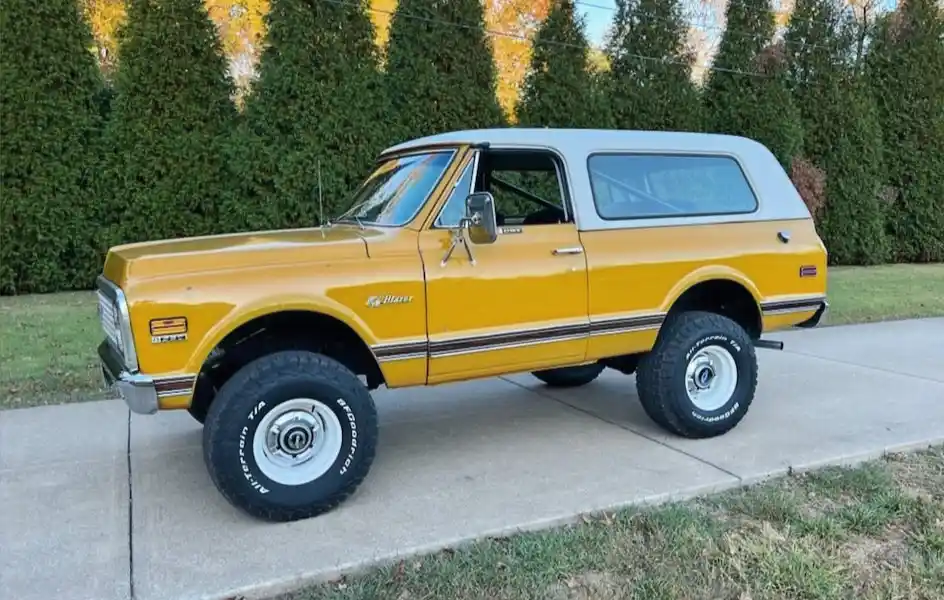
(482, 222)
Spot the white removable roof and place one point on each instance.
(777, 198)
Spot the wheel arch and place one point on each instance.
(253, 333)
(271, 306)
(721, 290)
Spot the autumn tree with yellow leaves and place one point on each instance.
(241, 26)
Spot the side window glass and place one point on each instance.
(651, 186)
(527, 188)
(454, 209)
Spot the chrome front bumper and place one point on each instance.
(138, 391)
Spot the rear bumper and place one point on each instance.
(817, 316)
(138, 391)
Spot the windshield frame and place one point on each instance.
(451, 150)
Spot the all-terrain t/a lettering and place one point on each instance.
(353, 422)
(245, 466)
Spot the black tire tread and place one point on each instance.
(654, 378)
(253, 380)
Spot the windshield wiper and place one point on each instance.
(355, 218)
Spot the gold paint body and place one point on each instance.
(221, 282)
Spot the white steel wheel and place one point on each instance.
(297, 441)
(711, 378)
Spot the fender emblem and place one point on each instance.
(377, 301)
(173, 329)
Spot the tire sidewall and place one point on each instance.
(236, 435)
(741, 351)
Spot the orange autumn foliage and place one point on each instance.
(241, 26)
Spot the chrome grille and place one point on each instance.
(108, 315)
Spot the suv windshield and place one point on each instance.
(397, 189)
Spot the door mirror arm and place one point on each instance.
(479, 224)
(459, 237)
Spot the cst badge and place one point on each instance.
(378, 301)
(173, 329)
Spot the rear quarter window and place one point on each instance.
(641, 186)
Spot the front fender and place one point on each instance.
(270, 305)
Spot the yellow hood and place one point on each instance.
(147, 260)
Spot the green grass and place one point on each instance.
(870, 532)
(48, 349)
(47, 342)
(865, 294)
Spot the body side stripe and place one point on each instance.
(792, 305)
(516, 338)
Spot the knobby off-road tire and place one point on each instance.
(688, 345)
(274, 400)
(570, 376)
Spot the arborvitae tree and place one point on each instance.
(905, 68)
(558, 90)
(747, 91)
(49, 123)
(171, 112)
(440, 71)
(841, 132)
(650, 84)
(317, 112)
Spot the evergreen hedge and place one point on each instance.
(905, 67)
(165, 154)
(558, 89)
(440, 72)
(841, 132)
(50, 119)
(165, 174)
(314, 120)
(649, 85)
(747, 94)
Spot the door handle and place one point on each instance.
(573, 250)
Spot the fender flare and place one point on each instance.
(711, 273)
(271, 305)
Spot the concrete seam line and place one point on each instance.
(130, 516)
(629, 429)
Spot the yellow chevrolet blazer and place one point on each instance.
(465, 255)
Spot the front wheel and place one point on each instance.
(290, 436)
(699, 379)
(199, 413)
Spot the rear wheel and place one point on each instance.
(291, 435)
(570, 376)
(699, 379)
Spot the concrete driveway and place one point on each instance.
(98, 504)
